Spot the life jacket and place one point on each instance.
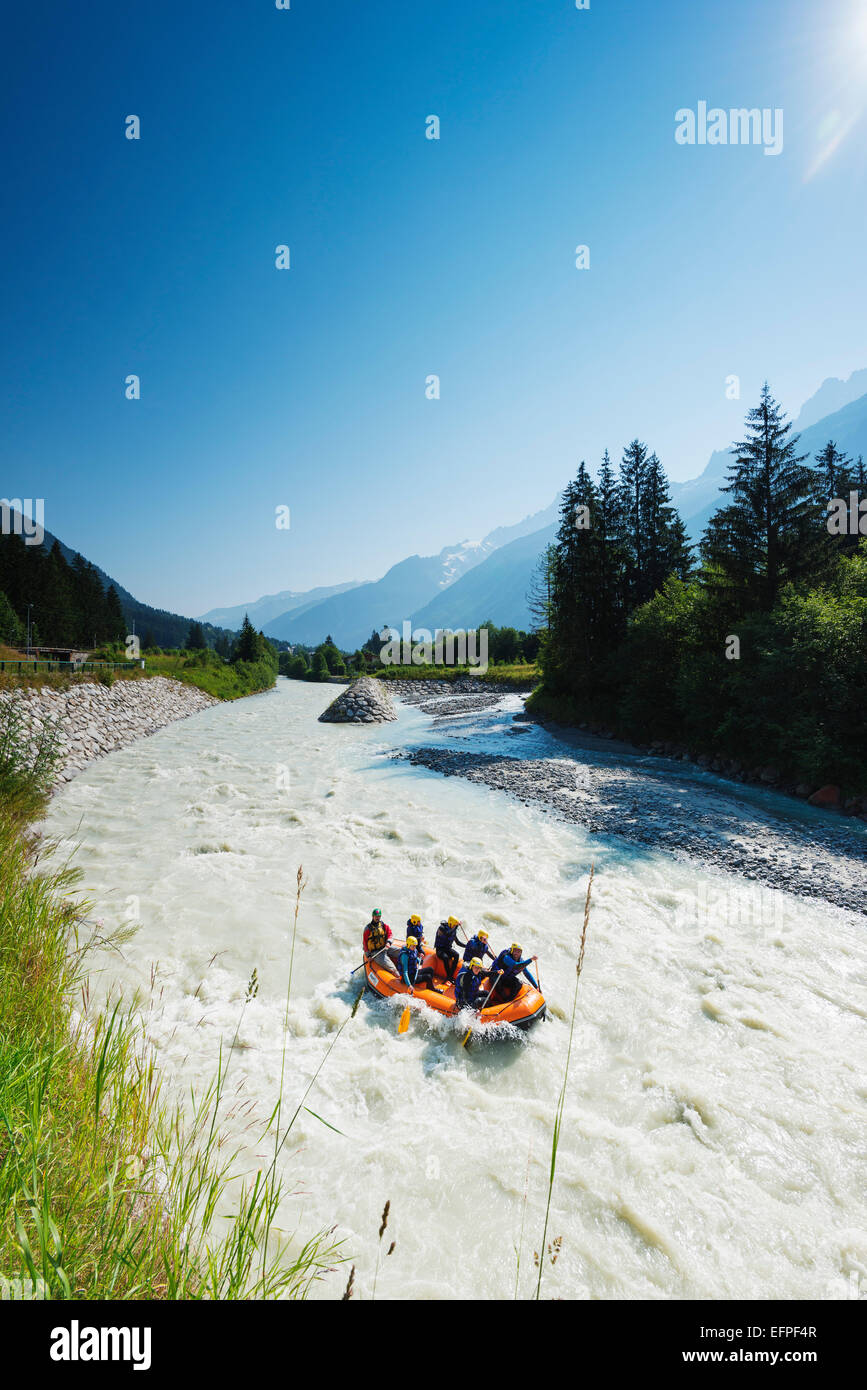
(507, 964)
(377, 936)
(445, 937)
(467, 985)
(410, 961)
(475, 947)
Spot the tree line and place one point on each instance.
(68, 603)
(750, 644)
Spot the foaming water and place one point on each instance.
(712, 1140)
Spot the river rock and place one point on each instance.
(366, 701)
(825, 796)
(90, 721)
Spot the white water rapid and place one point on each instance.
(712, 1146)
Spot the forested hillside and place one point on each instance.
(754, 647)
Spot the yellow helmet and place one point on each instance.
(411, 941)
(475, 961)
(482, 934)
(415, 920)
(454, 922)
(515, 947)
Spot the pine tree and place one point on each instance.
(10, 623)
(833, 472)
(666, 548)
(115, 622)
(614, 553)
(576, 631)
(633, 476)
(249, 646)
(196, 638)
(541, 588)
(770, 531)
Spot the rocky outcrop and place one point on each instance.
(366, 701)
(92, 720)
(828, 796)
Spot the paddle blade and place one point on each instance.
(466, 1037)
(404, 1021)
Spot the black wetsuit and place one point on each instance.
(444, 947)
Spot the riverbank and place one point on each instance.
(108, 1190)
(613, 788)
(92, 720)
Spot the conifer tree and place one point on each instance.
(833, 472)
(666, 548)
(633, 476)
(771, 529)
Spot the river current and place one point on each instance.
(712, 1145)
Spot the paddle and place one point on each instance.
(404, 1018)
(482, 1005)
(364, 962)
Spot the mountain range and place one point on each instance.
(473, 582)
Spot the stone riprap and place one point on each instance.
(93, 720)
(366, 701)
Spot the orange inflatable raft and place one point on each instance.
(527, 1007)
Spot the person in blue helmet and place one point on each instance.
(511, 966)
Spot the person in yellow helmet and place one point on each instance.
(414, 926)
(510, 967)
(412, 972)
(444, 945)
(469, 986)
(478, 946)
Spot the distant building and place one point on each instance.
(75, 658)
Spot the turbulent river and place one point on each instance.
(712, 1145)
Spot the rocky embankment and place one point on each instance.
(467, 694)
(679, 814)
(651, 797)
(92, 720)
(366, 701)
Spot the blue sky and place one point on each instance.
(409, 257)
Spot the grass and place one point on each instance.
(561, 1099)
(211, 674)
(206, 671)
(107, 1190)
(520, 676)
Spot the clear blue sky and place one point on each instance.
(409, 257)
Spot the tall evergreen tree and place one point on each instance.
(576, 632)
(633, 476)
(666, 548)
(613, 552)
(250, 644)
(10, 623)
(115, 622)
(541, 589)
(196, 638)
(833, 472)
(771, 529)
